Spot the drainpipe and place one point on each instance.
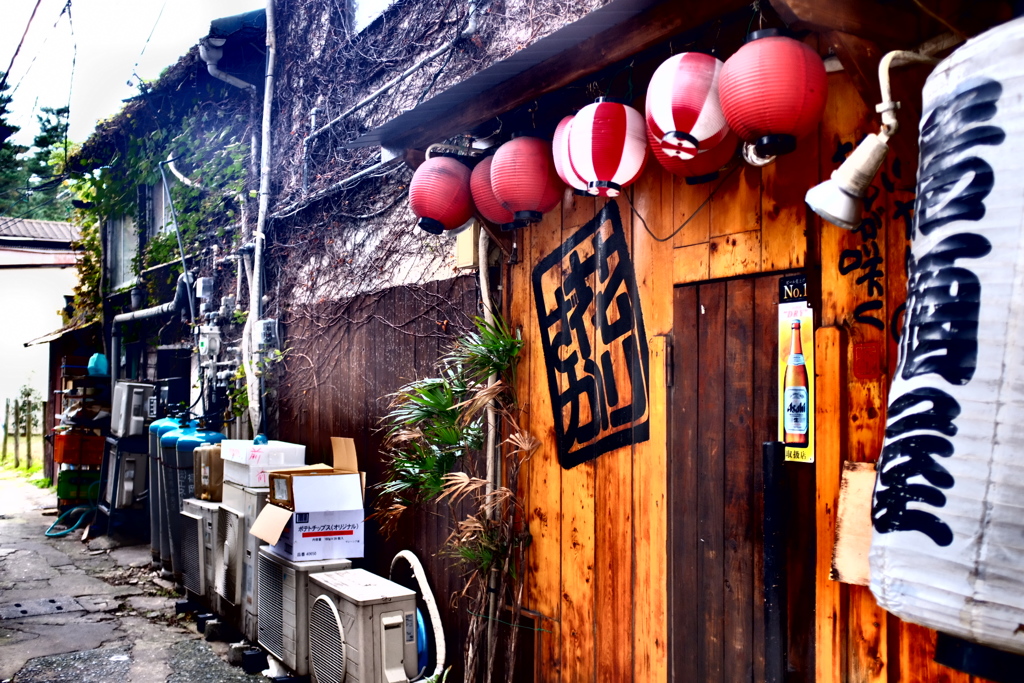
(210, 51)
(471, 25)
(182, 301)
(256, 279)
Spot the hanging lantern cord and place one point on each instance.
(693, 215)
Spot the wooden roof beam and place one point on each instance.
(893, 25)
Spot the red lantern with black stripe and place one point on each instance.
(608, 146)
(440, 194)
(683, 112)
(483, 196)
(702, 168)
(524, 178)
(560, 151)
(773, 91)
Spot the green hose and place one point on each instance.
(50, 533)
(85, 509)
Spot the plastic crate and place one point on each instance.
(72, 448)
(78, 484)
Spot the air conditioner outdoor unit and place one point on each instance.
(362, 629)
(198, 547)
(250, 501)
(230, 555)
(282, 592)
(128, 410)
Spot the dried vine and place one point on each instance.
(362, 237)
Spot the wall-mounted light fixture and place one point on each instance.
(839, 200)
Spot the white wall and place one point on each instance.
(30, 301)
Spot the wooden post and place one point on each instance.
(28, 433)
(17, 433)
(774, 550)
(7, 428)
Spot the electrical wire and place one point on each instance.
(3, 80)
(957, 32)
(156, 23)
(42, 48)
(692, 215)
(71, 83)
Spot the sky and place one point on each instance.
(111, 38)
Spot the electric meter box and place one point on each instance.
(267, 331)
(204, 288)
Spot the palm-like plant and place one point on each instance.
(431, 425)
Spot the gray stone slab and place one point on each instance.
(151, 603)
(32, 608)
(26, 565)
(132, 556)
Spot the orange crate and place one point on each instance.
(72, 448)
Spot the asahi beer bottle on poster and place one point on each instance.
(795, 394)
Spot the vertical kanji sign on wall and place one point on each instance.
(595, 346)
(796, 369)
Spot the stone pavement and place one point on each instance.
(71, 614)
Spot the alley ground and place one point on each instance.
(74, 614)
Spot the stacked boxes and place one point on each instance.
(247, 464)
(316, 512)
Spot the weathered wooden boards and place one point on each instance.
(618, 583)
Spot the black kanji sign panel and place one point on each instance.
(595, 346)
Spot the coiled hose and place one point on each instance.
(83, 513)
(428, 597)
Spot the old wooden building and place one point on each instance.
(654, 350)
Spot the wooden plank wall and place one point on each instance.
(341, 367)
(597, 579)
(597, 582)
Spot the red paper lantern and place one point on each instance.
(524, 178)
(560, 151)
(439, 194)
(773, 91)
(608, 146)
(483, 196)
(683, 112)
(702, 168)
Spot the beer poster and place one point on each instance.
(796, 369)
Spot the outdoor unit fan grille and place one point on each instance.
(229, 571)
(326, 642)
(270, 607)
(191, 553)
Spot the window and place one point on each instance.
(123, 247)
(160, 216)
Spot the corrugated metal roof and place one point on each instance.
(43, 231)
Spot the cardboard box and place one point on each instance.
(324, 514)
(209, 473)
(247, 464)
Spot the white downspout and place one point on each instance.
(256, 280)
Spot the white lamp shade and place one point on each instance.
(832, 203)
